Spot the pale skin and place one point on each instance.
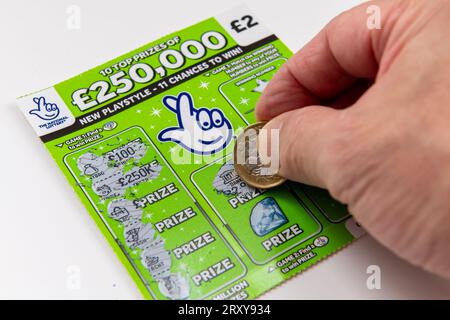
(365, 113)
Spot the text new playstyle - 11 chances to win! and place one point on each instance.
(146, 140)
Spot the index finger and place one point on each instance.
(185, 108)
(343, 52)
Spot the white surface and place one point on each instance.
(46, 232)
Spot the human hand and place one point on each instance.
(384, 146)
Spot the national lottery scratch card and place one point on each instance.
(146, 141)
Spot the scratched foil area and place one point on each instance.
(107, 171)
(154, 257)
(228, 182)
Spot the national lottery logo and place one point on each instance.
(200, 131)
(43, 110)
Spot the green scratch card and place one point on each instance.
(146, 141)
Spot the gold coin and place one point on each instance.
(247, 162)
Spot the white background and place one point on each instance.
(45, 232)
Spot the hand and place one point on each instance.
(366, 114)
(45, 111)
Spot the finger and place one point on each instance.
(344, 51)
(171, 103)
(303, 134)
(171, 134)
(185, 107)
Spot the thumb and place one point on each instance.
(305, 137)
(171, 134)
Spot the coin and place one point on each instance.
(247, 162)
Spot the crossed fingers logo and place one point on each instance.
(201, 131)
(45, 111)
